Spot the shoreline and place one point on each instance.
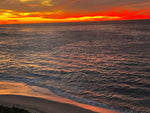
(40, 105)
(20, 94)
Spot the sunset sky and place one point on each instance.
(43, 11)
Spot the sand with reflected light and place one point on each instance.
(14, 88)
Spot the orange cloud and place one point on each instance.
(37, 19)
(128, 14)
(2, 21)
(43, 11)
(65, 4)
(11, 17)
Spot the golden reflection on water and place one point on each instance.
(14, 88)
(21, 89)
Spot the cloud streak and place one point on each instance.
(75, 9)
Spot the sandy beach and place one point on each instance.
(39, 105)
(40, 100)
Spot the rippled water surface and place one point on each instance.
(99, 63)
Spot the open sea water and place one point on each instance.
(104, 64)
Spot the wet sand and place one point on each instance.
(41, 100)
(39, 105)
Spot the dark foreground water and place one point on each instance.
(98, 63)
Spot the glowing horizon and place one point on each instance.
(37, 17)
(50, 11)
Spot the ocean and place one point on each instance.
(105, 64)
